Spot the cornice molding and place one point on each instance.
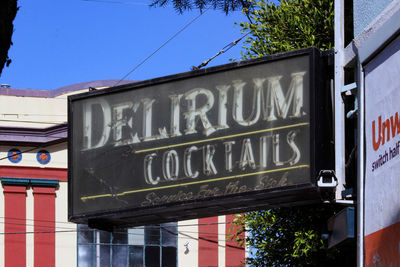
(34, 136)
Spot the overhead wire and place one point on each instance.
(36, 147)
(67, 230)
(35, 220)
(155, 227)
(70, 230)
(29, 150)
(178, 233)
(39, 226)
(118, 2)
(38, 232)
(207, 239)
(25, 151)
(61, 229)
(165, 43)
(223, 50)
(137, 227)
(210, 239)
(184, 233)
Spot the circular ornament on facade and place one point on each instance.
(43, 157)
(14, 155)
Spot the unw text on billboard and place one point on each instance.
(382, 132)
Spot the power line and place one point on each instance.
(31, 149)
(90, 230)
(138, 227)
(166, 42)
(207, 239)
(22, 152)
(223, 50)
(27, 151)
(118, 2)
(183, 233)
(39, 226)
(179, 234)
(35, 220)
(38, 232)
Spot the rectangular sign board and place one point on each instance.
(382, 164)
(221, 140)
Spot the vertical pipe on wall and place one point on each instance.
(360, 167)
(98, 249)
(339, 105)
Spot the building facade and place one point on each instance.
(367, 44)
(34, 200)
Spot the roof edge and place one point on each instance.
(61, 90)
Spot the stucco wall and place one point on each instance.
(365, 11)
(58, 156)
(65, 241)
(22, 112)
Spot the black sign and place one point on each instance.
(220, 140)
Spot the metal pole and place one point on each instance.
(97, 248)
(360, 167)
(338, 104)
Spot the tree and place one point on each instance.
(289, 236)
(184, 5)
(8, 11)
(288, 25)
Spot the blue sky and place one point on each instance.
(62, 42)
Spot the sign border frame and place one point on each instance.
(309, 191)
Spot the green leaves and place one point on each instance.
(185, 5)
(289, 25)
(305, 243)
(288, 236)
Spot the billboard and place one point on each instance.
(221, 140)
(382, 166)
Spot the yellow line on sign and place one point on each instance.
(192, 183)
(223, 137)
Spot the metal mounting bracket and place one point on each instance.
(327, 179)
(348, 88)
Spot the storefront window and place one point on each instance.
(149, 246)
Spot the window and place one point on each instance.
(149, 246)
